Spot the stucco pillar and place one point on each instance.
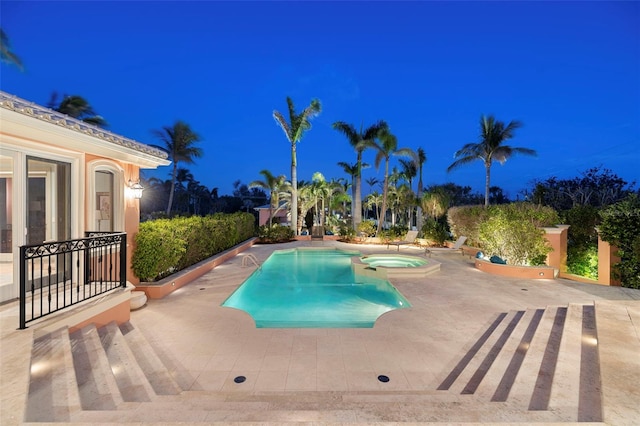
(557, 238)
(606, 259)
(131, 220)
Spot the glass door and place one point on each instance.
(48, 208)
(6, 221)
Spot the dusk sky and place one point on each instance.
(570, 71)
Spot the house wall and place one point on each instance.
(27, 131)
(263, 217)
(129, 213)
(279, 217)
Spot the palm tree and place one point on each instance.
(342, 194)
(420, 159)
(293, 130)
(182, 194)
(320, 192)
(356, 140)
(409, 171)
(372, 181)
(179, 142)
(306, 200)
(352, 170)
(275, 185)
(493, 134)
(374, 200)
(6, 54)
(76, 107)
(435, 202)
(386, 144)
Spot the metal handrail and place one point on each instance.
(56, 275)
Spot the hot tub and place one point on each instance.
(393, 265)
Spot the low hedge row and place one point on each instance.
(165, 246)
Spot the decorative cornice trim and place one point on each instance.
(14, 103)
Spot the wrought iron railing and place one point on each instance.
(56, 275)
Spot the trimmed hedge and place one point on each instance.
(165, 246)
(275, 234)
(621, 227)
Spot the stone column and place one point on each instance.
(557, 238)
(606, 259)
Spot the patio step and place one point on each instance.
(349, 407)
(131, 381)
(146, 357)
(618, 333)
(53, 390)
(97, 385)
(535, 375)
(535, 360)
(536, 365)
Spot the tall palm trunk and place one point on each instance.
(383, 213)
(487, 182)
(419, 214)
(357, 194)
(294, 189)
(174, 174)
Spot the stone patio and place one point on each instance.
(474, 348)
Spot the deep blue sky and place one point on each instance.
(570, 71)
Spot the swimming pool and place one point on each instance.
(314, 288)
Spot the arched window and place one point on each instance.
(106, 197)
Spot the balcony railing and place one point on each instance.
(56, 275)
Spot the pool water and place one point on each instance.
(313, 289)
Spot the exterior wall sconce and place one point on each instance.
(136, 189)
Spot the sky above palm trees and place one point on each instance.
(569, 71)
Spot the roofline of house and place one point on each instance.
(21, 106)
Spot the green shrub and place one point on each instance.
(367, 228)
(346, 231)
(583, 261)
(397, 231)
(435, 231)
(275, 234)
(621, 227)
(466, 220)
(165, 246)
(582, 242)
(512, 231)
(158, 250)
(582, 221)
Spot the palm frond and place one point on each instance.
(404, 152)
(462, 161)
(372, 131)
(525, 151)
(348, 131)
(282, 122)
(6, 53)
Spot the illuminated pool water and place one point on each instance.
(307, 288)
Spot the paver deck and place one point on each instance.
(207, 346)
